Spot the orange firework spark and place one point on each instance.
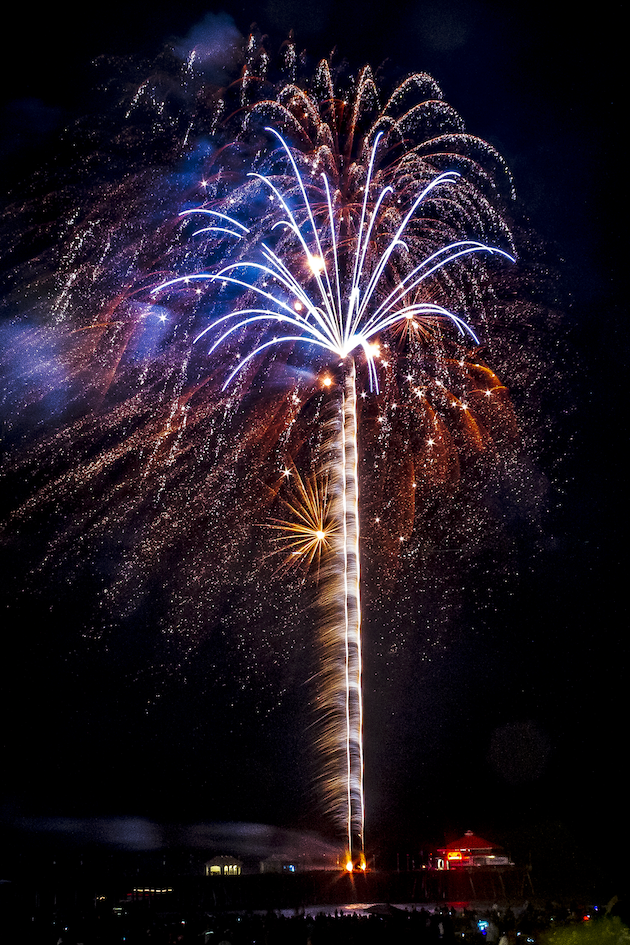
(307, 534)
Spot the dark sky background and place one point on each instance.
(518, 732)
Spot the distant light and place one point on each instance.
(349, 866)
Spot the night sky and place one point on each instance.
(514, 725)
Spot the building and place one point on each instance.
(223, 866)
(471, 851)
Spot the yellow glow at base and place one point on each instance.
(349, 866)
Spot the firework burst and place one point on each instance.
(307, 534)
(337, 296)
(374, 227)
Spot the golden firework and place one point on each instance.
(305, 536)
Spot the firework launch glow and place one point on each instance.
(262, 320)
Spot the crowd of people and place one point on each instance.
(376, 925)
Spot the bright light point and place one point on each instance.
(326, 381)
(320, 535)
(316, 263)
(377, 519)
(430, 442)
(349, 866)
(401, 538)
(297, 305)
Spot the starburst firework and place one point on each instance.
(306, 535)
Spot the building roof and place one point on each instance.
(224, 861)
(471, 842)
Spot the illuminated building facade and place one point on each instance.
(471, 851)
(223, 866)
